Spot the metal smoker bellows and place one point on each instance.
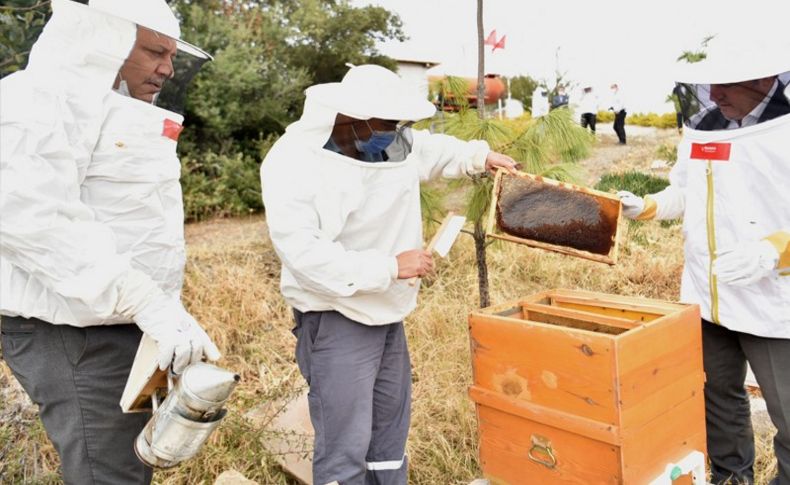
(189, 414)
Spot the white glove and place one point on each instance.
(180, 339)
(746, 263)
(633, 205)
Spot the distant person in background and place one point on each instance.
(618, 107)
(588, 106)
(560, 99)
(540, 102)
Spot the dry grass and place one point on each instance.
(232, 288)
(26, 455)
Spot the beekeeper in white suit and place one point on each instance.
(91, 234)
(730, 185)
(342, 196)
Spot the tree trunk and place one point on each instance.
(482, 266)
(481, 87)
(480, 235)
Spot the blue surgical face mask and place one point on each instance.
(377, 143)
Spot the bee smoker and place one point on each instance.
(189, 414)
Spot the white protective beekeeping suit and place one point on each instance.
(336, 222)
(731, 184)
(92, 214)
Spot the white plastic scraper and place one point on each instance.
(443, 240)
(447, 234)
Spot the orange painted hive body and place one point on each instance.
(575, 387)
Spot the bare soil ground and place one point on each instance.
(638, 154)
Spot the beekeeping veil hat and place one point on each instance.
(742, 81)
(164, 85)
(370, 91)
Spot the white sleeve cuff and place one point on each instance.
(135, 291)
(481, 154)
(394, 268)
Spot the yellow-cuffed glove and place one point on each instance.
(635, 207)
(781, 241)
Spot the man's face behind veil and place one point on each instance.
(149, 65)
(736, 100)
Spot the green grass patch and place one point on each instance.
(633, 181)
(638, 183)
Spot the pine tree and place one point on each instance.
(549, 146)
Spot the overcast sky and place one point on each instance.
(596, 42)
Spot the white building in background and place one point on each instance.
(513, 108)
(415, 72)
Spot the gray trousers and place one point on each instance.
(77, 376)
(360, 397)
(727, 411)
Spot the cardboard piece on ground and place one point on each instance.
(144, 378)
(291, 438)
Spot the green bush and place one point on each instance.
(666, 120)
(637, 182)
(265, 54)
(220, 185)
(21, 21)
(605, 117)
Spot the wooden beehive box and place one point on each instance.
(557, 216)
(576, 387)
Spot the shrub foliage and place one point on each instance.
(666, 120)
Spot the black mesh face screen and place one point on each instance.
(728, 106)
(158, 70)
(173, 94)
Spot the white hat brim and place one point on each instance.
(402, 106)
